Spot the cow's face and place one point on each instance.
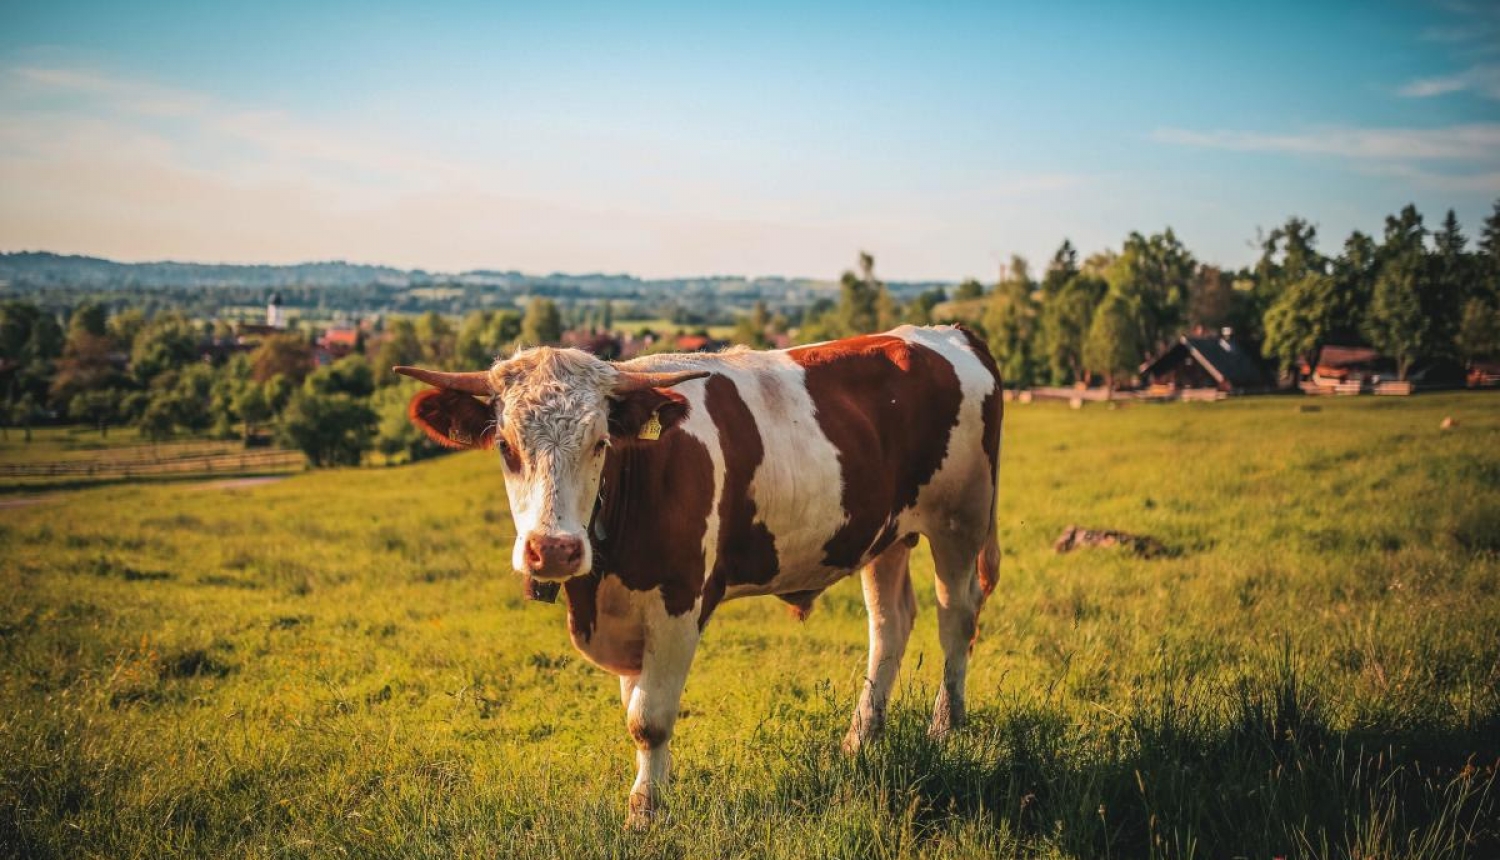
(550, 414)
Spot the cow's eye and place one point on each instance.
(508, 454)
(600, 446)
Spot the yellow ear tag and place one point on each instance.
(651, 429)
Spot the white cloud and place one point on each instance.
(1483, 80)
(1472, 142)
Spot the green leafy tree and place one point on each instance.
(399, 345)
(969, 289)
(1300, 319)
(1398, 323)
(89, 318)
(1479, 331)
(483, 336)
(396, 436)
(99, 407)
(1062, 269)
(1064, 325)
(168, 342)
(751, 330)
(437, 338)
(1010, 321)
(1111, 348)
(920, 309)
(542, 324)
(331, 429)
(349, 375)
(1153, 275)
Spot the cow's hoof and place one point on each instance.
(641, 813)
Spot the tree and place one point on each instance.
(1398, 323)
(89, 318)
(168, 342)
(1210, 299)
(1479, 331)
(1010, 322)
(399, 345)
(1152, 275)
(396, 435)
(1488, 284)
(1111, 348)
(1288, 255)
(483, 336)
(919, 310)
(288, 355)
(99, 407)
(1064, 324)
(1300, 320)
(436, 335)
(331, 429)
(349, 375)
(751, 328)
(861, 300)
(87, 364)
(542, 324)
(1062, 269)
(1449, 281)
(969, 289)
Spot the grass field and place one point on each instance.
(339, 664)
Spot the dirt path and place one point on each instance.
(25, 501)
(239, 483)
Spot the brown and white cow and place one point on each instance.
(655, 488)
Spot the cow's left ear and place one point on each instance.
(630, 413)
(453, 419)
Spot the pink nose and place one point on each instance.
(555, 557)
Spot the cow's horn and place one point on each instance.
(630, 380)
(472, 382)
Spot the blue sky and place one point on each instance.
(773, 138)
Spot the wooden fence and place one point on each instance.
(244, 462)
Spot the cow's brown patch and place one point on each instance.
(654, 502)
(889, 407)
(746, 551)
(647, 736)
(452, 419)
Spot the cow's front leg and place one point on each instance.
(651, 711)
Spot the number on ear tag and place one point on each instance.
(651, 429)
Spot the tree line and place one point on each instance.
(1415, 294)
(1412, 293)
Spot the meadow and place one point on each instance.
(341, 664)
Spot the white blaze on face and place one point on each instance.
(553, 417)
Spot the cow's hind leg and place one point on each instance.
(651, 712)
(891, 607)
(960, 595)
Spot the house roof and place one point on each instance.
(1348, 356)
(1228, 361)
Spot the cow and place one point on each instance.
(656, 488)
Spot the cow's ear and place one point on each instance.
(453, 419)
(630, 413)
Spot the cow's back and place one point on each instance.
(826, 454)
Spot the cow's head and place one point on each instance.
(551, 413)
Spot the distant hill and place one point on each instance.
(25, 270)
(44, 269)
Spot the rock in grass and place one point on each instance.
(1074, 537)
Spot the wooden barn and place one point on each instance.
(1199, 365)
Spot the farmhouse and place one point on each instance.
(1205, 364)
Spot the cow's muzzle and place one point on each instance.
(553, 556)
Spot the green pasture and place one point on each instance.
(340, 664)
